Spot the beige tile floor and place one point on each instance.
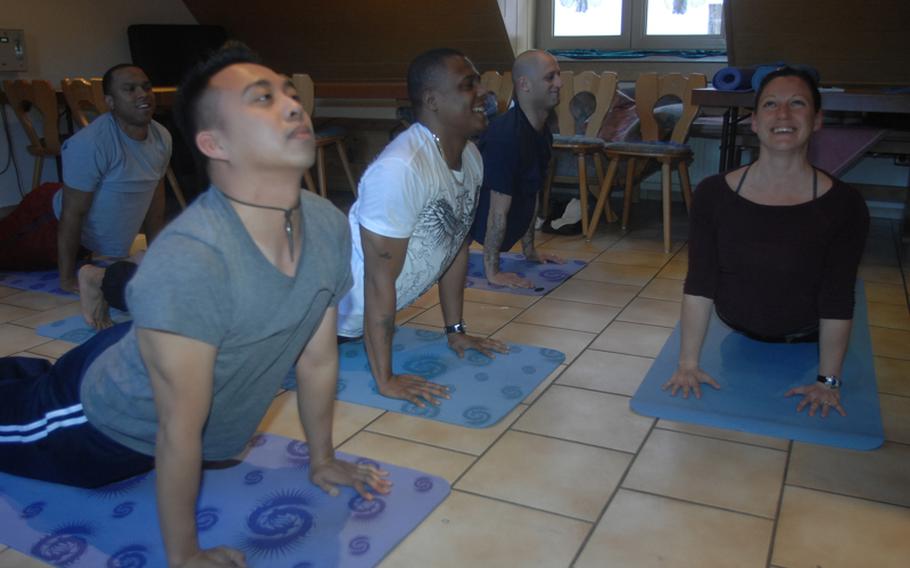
(573, 477)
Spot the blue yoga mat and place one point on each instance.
(74, 329)
(264, 506)
(733, 79)
(482, 390)
(545, 276)
(754, 377)
(45, 281)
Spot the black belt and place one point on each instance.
(805, 335)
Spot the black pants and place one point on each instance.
(113, 286)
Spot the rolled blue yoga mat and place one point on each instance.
(754, 377)
(264, 506)
(733, 79)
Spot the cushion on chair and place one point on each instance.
(650, 148)
(577, 139)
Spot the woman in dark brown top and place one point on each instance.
(774, 247)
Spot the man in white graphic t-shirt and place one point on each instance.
(409, 224)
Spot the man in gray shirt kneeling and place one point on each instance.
(240, 287)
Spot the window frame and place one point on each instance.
(632, 36)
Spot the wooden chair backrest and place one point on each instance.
(501, 86)
(82, 98)
(305, 90)
(39, 95)
(651, 87)
(602, 86)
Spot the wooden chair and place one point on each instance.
(499, 85)
(649, 89)
(305, 90)
(39, 95)
(603, 88)
(85, 99)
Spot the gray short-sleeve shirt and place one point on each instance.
(122, 173)
(204, 278)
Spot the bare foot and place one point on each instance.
(95, 310)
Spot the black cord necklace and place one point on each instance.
(288, 224)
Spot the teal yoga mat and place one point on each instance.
(74, 329)
(265, 506)
(44, 281)
(754, 377)
(483, 390)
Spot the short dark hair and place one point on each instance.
(423, 72)
(108, 79)
(808, 75)
(189, 114)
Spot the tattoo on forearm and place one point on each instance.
(496, 230)
(388, 327)
(527, 240)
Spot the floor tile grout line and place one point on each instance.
(418, 442)
(698, 503)
(521, 505)
(840, 494)
(710, 437)
(780, 504)
(489, 446)
(619, 485)
(579, 442)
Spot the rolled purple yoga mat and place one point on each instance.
(733, 79)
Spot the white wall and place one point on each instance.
(518, 16)
(71, 38)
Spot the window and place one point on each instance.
(630, 24)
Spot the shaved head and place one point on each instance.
(530, 64)
(535, 77)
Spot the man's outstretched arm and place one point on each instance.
(492, 242)
(76, 205)
(317, 375)
(527, 244)
(154, 217)
(181, 372)
(383, 259)
(451, 299)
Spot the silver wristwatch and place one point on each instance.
(830, 381)
(456, 328)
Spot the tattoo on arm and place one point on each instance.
(496, 231)
(527, 240)
(383, 254)
(387, 322)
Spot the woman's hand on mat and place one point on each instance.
(412, 388)
(218, 557)
(362, 477)
(817, 396)
(509, 280)
(689, 379)
(461, 342)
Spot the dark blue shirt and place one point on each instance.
(515, 161)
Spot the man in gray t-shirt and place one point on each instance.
(113, 172)
(239, 288)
